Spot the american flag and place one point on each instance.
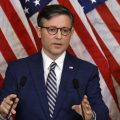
(96, 38)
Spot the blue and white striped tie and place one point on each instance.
(51, 87)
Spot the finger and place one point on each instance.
(12, 96)
(89, 114)
(77, 108)
(15, 103)
(85, 99)
(5, 105)
(85, 96)
(13, 111)
(3, 110)
(86, 107)
(86, 103)
(9, 99)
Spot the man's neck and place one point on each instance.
(53, 57)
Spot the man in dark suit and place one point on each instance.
(49, 92)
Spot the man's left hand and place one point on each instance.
(88, 113)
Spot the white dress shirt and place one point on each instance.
(58, 69)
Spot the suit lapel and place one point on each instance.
(37, 72)
(67, 74)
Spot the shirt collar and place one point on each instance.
(47, 60)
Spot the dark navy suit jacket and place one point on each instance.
(33, 101)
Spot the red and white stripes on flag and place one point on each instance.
(16, 40)
(96, 39)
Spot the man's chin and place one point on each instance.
(57, 53)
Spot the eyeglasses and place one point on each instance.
(53, 30)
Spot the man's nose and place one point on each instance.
(59, 34)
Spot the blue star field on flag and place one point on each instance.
(89, 5)
(32, 6)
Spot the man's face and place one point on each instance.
(55, 45)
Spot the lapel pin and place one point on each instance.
(71, 67)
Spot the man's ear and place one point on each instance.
(38, 29)
(72, 31)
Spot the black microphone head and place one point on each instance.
(75, 83)
(22, 81)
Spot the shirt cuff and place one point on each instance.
(94, 116)
(1, 117)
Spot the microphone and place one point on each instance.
(76, 86)
(20, 85)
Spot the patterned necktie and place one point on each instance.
(51, 88)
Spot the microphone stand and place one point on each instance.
(76, 86)
(21, 84)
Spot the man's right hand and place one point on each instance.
(6, 104)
